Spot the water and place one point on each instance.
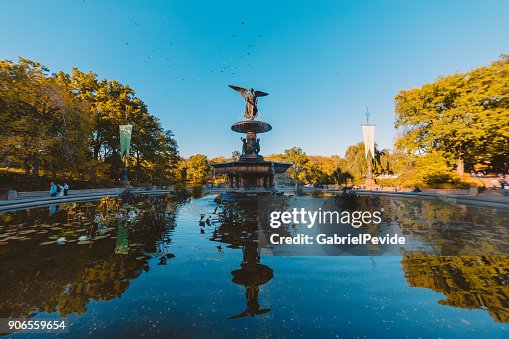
(160, 275)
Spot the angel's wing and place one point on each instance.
(260, 94)
(242, 90)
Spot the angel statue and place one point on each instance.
(251, 98)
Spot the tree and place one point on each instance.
(66, 125)
(198, 169)
(464, 115)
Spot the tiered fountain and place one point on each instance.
(251, 175)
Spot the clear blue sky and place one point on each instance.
(322, 62)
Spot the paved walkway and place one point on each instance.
(488, 198)
(74, 196)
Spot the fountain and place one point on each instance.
(251, 176)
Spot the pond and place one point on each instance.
(189, 269)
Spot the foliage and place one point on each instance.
(197, 191)
(463, 115)
(317, 193)
(66, 125)
(197, 169)
(300, 192)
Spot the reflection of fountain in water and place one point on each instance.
(251, 275)
(238, 228)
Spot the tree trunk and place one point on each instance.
(27, 168)
(460, 166)
(96, 151)
(35, 166)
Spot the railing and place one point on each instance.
(105, 191)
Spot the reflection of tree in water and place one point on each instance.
(468, 282)
(349, 201)
(65, 278)
(451, 229)
(238, 226)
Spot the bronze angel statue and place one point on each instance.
(251, 98)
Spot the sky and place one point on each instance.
(321, 62)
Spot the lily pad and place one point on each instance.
(47, 242)
(27, 231)
(84, 242)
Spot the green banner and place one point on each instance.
(125, 139)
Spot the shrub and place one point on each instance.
(180, 190)
(197, 190)
(300, 192)
(317, 193)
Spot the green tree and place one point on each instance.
(66, 125)
(464, 115)
(198, 169)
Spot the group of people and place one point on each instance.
(57, 190)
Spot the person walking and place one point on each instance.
(60, 190)
(502, 182)
(505, 186)
(53, 189)
(66, 189)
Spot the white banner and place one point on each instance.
(368, 133)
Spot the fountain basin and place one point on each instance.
(255, 126)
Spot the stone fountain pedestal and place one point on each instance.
(251, 175)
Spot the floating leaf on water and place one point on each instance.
(56, 228)
(11, 238)
(47, 242)
(42, 232)
(54, 237)
(100, 237)
(80, 230)
(73, 240)
(140, 258)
